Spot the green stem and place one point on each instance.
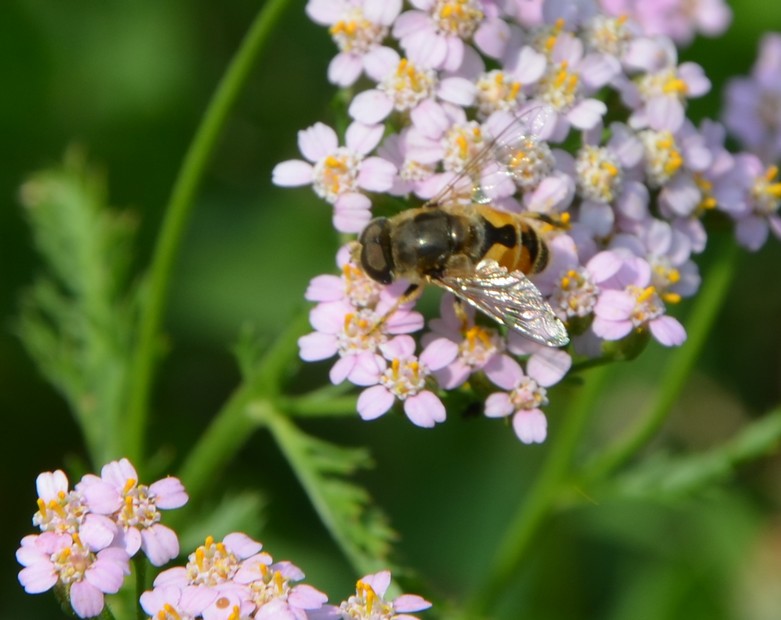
(176, 216)
(234, 423)
(310, 406)
(540, 499)
(701, 319)
(139, 563)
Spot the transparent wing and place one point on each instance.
(496, 164)
(510, 298)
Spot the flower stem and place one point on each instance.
(234, 423)
(700, 322)
(541, 498)
(177, 213)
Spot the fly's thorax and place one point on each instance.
(425, 241)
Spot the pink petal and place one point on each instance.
(306, 597)
(410, 602)
(86, 599)
(342, 368)
(400, 347)
(242, 545)
(614, 305)
(503, 371)
(587, 114)
(439, 353)
(316, 346)
(101, 496)
(160, 544)
(292, 173)
(351, 213)
(49, 484)
(610, 330)
(363, 138)
(668, 331)
(379, 582)
(38, 577)
(457, 90)
(498, 405)
(531, 426)
(374, 402)
(317, 142)
(425, 409)
(169, 493)
(344, 69)
(97, 531)
(548, 366)
(376, 174)
(370, 106)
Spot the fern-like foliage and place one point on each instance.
(358, 527)
(76, 318)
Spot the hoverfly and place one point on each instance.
(476, 251)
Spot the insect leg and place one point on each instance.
(412, 292)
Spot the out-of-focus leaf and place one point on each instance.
(358, 527)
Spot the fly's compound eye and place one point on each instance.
(376, 254)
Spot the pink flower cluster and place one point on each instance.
(235, 579)
(625, 189)
(89, 534)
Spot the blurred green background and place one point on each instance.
(128, 81)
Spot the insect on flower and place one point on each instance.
(460, 242)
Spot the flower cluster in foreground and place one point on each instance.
(89, 533)
(574, 113)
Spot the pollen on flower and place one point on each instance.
(407, 86)
(529, 162)
(139, 508)
(71, 563)
(359, 288)
(459, 18)
(361, 332)
(528, 395)
(62, 515)
(767, 192)
(271, 585)
(599, 173)
(648, 305)
(211, 564)
(356, 34)
(336, 174)
(609, 35)
(663, 276)
(462, 143)
(662, 157)
(575, 295)
(559, 87)
(707, 199)
(495, 91)
(665, 82)
(545, 38)
(479, 345)
(365, 604)
(405, 378)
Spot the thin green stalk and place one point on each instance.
(710, 300)
(539, 502)
(311, 407)
(176, 216)
(233, 424)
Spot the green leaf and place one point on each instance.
(667, 476)
(75, 320)
(359, 528)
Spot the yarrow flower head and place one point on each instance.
(368, 602)
(136, 508)
(471, 105)
(89, 533)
